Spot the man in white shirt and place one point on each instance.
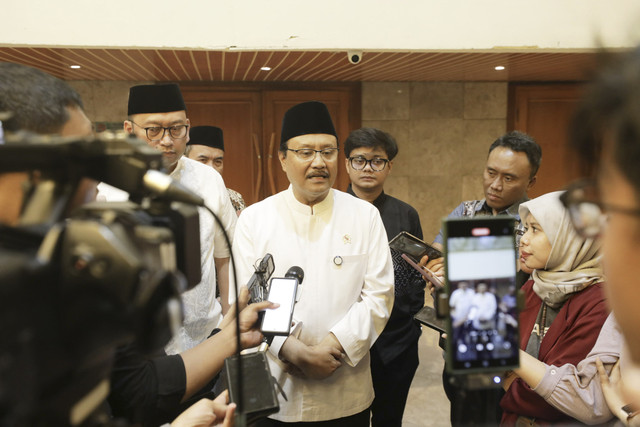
(157, 115)
(460, 303)
(483, 308)
(347, 292)
(206, 145)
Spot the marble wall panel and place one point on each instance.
(485, 100)
(386, 101)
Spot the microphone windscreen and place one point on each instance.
(295, 272)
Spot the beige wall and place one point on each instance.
(443, 130)
(500, 25)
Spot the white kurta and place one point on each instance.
(202, 311)
(341, 245)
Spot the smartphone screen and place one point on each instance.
(480, 262)
(282, 290)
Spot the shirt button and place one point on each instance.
(553, 372)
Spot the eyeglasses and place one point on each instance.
(156, 133)
(588, 214)
(307, 154)
(359, 163)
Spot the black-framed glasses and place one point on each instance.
(588, 214)
(307, 154)
(156, 133)
(359, 163)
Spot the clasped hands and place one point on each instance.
(316, 362)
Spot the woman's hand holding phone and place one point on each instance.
(433, 281)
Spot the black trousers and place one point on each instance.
(391, 383)
(358, 420)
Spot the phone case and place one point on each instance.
(414, 247)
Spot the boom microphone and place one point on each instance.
(163, 185)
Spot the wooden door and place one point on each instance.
(239, 114)
(545, 112)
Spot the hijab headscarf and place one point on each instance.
(574, 262)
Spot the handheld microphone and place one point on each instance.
(295, 272)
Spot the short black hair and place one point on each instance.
(609, 114)
(371, 137)
(36, 100)
(520, 142)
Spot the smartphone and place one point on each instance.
(282, 290)
(415, 248)
(425, 272)
(480, 273)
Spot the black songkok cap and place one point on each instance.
(155, 99)
(211, 136)
(304, 119)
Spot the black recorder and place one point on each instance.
(482, 320)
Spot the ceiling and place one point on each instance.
(300, 66)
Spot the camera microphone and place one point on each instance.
(163, 185)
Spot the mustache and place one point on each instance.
(321, 174)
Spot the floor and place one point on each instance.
(427, 404)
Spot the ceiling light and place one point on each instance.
(75, 67)
(499, 67)
(265, 68)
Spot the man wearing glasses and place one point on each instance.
(394, 356)
(157, 115)
(347, 292)
(510, 171)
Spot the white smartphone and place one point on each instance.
(282, 290)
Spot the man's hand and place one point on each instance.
(314, 362)
(243, 300)
(611, 389)
(250, 335)
(436, 266)
(206, 412)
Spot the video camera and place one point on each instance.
(76, 284)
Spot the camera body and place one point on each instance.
(75, 287)
(354, 56)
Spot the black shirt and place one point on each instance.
(401, 330)
(146, 390)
